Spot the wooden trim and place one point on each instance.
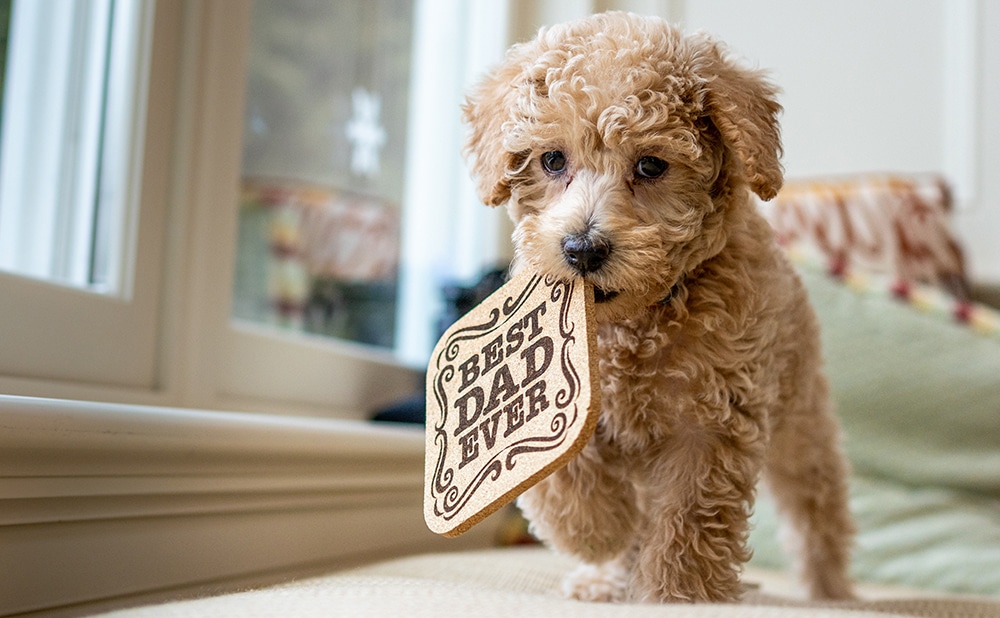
(98, 501)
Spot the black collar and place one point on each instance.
(673, 292)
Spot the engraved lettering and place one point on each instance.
(503, 384)
(470, 372)
(470, 448)
(492, 353)
(515, 337)
(465, 418)
(531, 318)
(489, 429)
(536, 368)
(515, 415)
(537, 402)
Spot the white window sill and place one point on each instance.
(99, 501)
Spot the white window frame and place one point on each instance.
(56, 335)
(167, 337)
(234, 364)
(301, 373)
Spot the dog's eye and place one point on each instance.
(650, 167)
(554, 161)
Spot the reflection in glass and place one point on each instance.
(323, 167)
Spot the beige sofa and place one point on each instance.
(525, 582)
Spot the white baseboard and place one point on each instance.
(99, 501)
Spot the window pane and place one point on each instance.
(68, 105)
(323, 167)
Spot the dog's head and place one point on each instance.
(618, 145)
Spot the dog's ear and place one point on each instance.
(485, 111)
(743, 106)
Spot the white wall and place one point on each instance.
(861, 79)
(981, 223)
(882, 85)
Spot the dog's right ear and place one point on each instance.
(744, 107)
(486, 109)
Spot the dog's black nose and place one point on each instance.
(586, 252)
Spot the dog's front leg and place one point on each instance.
(587, 508)
(700, 496)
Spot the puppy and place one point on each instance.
(625, 153)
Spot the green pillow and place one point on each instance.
(917, 392)
(922, 537)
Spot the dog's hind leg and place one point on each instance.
(807, 475)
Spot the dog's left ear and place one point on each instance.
(743, 105)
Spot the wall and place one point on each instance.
(885, 85)
(981, 224)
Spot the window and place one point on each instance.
(324, 149)
(350, 106)
(86, 138)
(65, 150)
(162, 277)
(415, 190)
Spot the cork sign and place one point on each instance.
(512, 396)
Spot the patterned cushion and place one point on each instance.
(889, 224)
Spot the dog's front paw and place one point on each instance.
(600, 583)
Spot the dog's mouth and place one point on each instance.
(603, 296)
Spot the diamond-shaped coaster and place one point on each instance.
(512, 396)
